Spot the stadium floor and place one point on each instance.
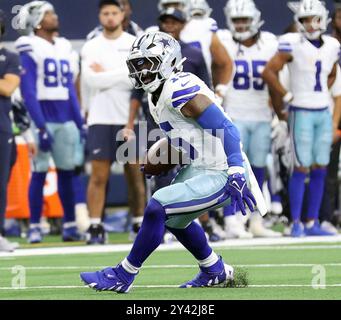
(277, 269)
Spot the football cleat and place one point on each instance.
(297, 230)
(71, 234)
(34, 235)
(109, 279)
(316, 230)
(218, 275)
(96, 234)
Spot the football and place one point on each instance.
(161, 158)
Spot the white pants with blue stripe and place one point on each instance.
(67, 151)
(192, 192)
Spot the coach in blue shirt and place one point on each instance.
(9, 81)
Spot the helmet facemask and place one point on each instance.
(144, 73)
(153, 58)
(312, 29)
(199, 9)
(311, 18)
(243, 19)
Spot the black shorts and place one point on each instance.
(105, 142)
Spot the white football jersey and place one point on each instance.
(309, 69)
(198, 33)
(53, 65)
(204, 150)
(248, 98)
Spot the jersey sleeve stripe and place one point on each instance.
(182, 101)
(183, 92)
(284, 50)
(25, 50)
(214, 27)
(23, 47)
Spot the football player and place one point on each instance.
(200, 31)
(50, 97)
(311, 58)
(247, 100)
(188, 113)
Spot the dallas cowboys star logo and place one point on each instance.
(165, 42)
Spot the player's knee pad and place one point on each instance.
(155, 211)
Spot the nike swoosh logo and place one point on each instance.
(185, 84)
(96, 151)
(236, 184)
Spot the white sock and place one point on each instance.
(137, 220)
(34, 225)
(69, 224)
(95, 220)
(310, 224)
(209, 261)
(127, 266)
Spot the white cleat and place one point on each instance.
(217, 229)
(327, 226)
(235, 229)
(258, 230)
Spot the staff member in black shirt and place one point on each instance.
(9, 81)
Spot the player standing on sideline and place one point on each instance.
(50, 97)
(187, 111)
(201, 32)
(247, 100)
(312, 61)
(128, 25)
(104, 71)
(9, 81)
(331, 189)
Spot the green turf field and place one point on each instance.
(275, 272)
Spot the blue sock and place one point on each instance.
(260, 175)
(35, 196)
(316, 188)
(296, 193)
(65, 191)
(193, 238)
(79, 189)
(150, 235)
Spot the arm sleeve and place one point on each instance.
(218, 124)
(28, 88)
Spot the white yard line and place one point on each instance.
(174, 286)
(182, 266)
(246, 244)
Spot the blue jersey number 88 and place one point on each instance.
(56, 73)
(242, 81)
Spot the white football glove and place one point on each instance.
(279, 134)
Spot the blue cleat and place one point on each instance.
(297, 230)
(71, 234)
(34, 235)
(218, 275)
(316, 230)
(109, 279)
